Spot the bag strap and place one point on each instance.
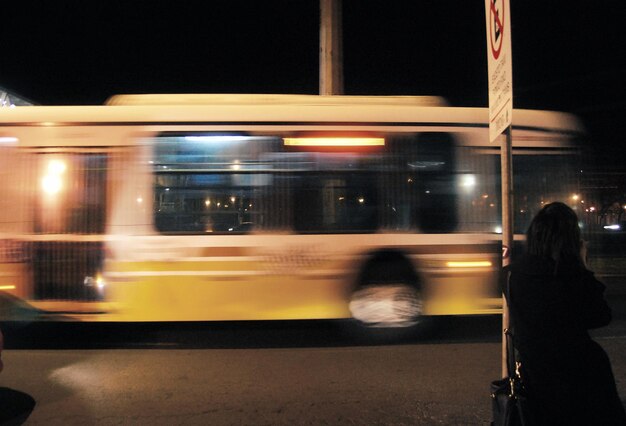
(508, 332)
(510, 353)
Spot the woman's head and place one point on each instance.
(554, 233)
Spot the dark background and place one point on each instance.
(567, 55)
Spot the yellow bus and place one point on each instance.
(262, 207)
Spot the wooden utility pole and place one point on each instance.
(331, 50)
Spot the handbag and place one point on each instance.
(509, 403)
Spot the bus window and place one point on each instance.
(212, 183)
(72, 194)
(420, 188)
(558, 181)
(437, 205)
(479, 191)
(335, 202)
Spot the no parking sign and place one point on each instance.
(499, 65)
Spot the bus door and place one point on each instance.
(69, 195)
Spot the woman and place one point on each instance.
(554, 300)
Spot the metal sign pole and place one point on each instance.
(506, 166)
(500, 70)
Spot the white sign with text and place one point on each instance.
(499, 65)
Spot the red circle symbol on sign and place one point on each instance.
(496, 27)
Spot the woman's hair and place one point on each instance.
(554, 233)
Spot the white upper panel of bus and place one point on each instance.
(124, 113)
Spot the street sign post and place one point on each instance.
(500, 70)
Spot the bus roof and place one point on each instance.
(271, 99)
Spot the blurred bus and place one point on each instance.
(252, 207)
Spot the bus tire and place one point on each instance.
(387, 299)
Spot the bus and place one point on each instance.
(384, 210)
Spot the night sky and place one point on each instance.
(567, 55)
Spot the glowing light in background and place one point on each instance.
(52, 182)
(468, 182)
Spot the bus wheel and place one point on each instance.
(387, 306)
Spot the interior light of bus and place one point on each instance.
(469, 264)
(8, 140)
(52, 182)
(612, 227)
(334, 141)
(56, 167)
(216, 138)
(7, 287)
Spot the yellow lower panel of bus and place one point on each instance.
(247, 290)
(461, 294)
(256, 296)
(264, 297)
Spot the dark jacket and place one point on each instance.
(567, 374)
